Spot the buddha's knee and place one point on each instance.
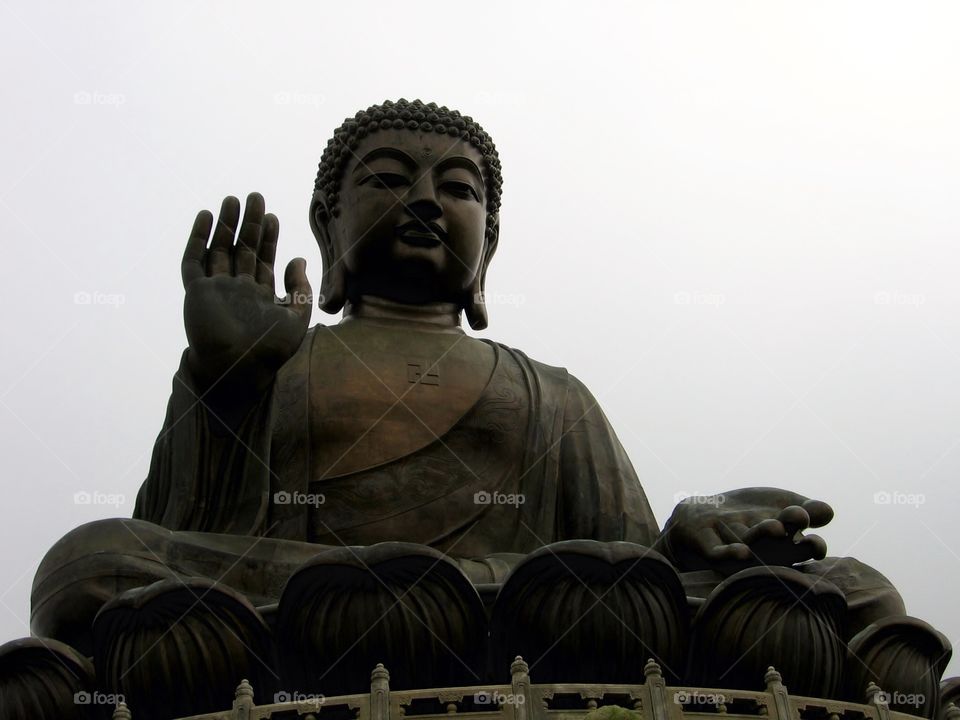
(587, 610)
(184, 640)
(870, 595)
(405, 605)
(89, 566)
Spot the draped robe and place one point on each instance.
(533, 432)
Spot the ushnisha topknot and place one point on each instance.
(413, 115)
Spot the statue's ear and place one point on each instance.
(334, 282)
(474, 306)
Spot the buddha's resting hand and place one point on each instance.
(239, 332)
(741, 528)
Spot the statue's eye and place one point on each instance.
(460, 190)
(383, 180)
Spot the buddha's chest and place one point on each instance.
(380, 394)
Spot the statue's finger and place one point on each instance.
(710, 545)
(812, 547)
(820, 513)
(794, 519)
(298, 287)
(267, 250)
(245, 252)
(733, 531)
(731, 552)
(768, 528)
(784, 553)
(218, 256)
(191, 267)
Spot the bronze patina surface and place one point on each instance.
(395, 469)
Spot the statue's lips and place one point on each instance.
(418, 238)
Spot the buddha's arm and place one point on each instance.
(601, 498)
(600, 495)
(209, 468)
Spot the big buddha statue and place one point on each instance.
(388, 488)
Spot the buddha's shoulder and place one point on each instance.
(557, 375)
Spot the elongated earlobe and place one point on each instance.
(333, 285)
(474, 306)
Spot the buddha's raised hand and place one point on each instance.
(741, 528)
(238, 330)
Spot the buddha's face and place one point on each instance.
(412, 217)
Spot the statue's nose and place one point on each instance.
(421, 199)
(423, 206)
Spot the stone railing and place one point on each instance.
(523, 700)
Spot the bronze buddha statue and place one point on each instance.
(287, 446)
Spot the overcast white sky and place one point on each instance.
(736, 222)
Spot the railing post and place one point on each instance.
(878, 698)
(656, 691)
(520, 682)
(780, 709)
(380, 693)
(122, 712)
(243, 701)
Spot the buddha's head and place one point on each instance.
(406, 208)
